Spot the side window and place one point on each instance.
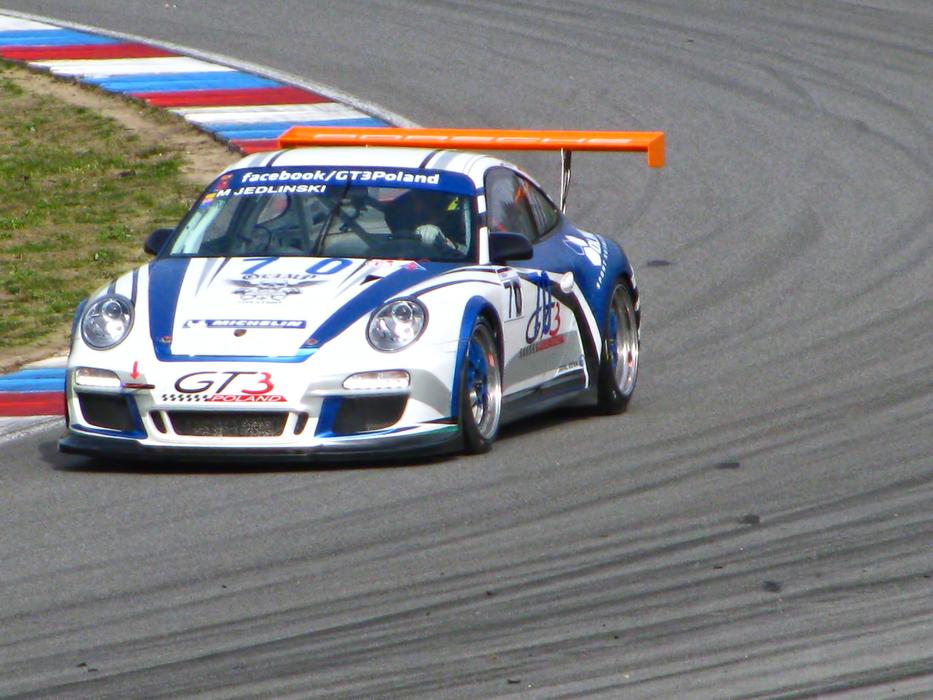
(507, 204)
(545, 213)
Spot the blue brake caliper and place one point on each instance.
(477, 371)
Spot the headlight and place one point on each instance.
(397, 324)
(107, 321)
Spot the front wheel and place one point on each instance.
(618, 364)
(480, 390)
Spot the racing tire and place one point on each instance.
(618, 362)
(480, 389)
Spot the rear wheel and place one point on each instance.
(618, 365)
(480, 390)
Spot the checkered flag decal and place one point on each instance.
(183, 397)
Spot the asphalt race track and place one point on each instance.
(759, 524)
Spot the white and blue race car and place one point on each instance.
(318, 302)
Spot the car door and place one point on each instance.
(542, 341)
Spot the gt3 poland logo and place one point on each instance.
(225, 387)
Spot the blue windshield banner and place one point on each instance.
(288, 180)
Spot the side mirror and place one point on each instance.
(507, 246)
(157, 240)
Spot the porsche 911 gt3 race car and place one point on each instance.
(338, 297)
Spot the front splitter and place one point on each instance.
(388, 448)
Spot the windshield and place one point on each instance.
(329, 212)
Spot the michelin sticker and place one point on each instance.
(243, 323)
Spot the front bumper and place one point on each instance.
(299, 420)
(446, 439)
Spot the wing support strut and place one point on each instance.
(565, 158)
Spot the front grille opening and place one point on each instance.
(228, 423)
(158, 421)
(106, 411)
(360, 414)
(301, 423)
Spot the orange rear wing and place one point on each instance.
(650, 142)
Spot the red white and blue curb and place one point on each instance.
(237, 105)
(35, 390)
(234, 102)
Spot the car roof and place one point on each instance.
(473, 165)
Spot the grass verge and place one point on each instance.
(78, 194)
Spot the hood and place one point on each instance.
(267, 307)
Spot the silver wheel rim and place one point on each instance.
(483, 382)
(623, 341)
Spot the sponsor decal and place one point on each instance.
(576, 364)
(265, 180)
(378, 263)
(223, 182)
(545, 320)
(593, 249)
(254, 287)
(223, 398)
(263, 289)
(221, 188)
(273, 189)
(244, 323)
(224, 387)
(543, 344)
(357, 175)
